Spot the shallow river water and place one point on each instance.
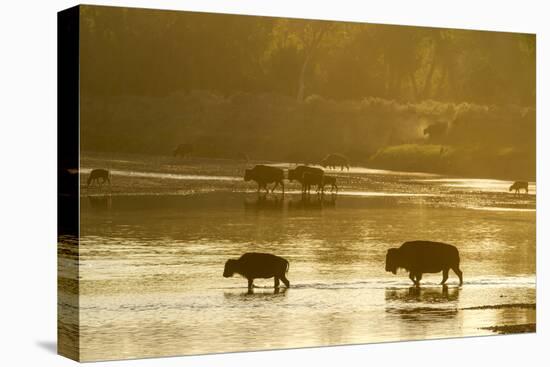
(153, 248)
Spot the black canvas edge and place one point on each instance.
(68, 157)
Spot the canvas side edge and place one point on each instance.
(68, 316)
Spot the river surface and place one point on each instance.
(154, 244)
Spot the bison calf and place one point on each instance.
(418, 257)
(329, 181)
(253, 265)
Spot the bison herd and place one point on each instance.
(416, 257)
(307, 176)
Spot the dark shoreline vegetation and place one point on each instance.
(512, 329)
(532, 306)
(479, 141)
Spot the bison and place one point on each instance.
(335, 160)
(309, 179)
(264, 175)
(99, 173)
(418, 257)
(253, 265)
(298, 174)
(329, 180)
(519, 185)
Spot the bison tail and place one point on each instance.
(287, 267)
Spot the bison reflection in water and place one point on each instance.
(277, 294)
(254, 265)
(418, 257)
(426, 295)
(101, 202)
(263, 202)
(317, 202)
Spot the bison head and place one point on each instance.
(392, 262)
(511, 187)
(247, 174)
(230, 268)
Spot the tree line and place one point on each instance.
(149, 52)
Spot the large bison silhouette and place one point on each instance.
(264, 175)
(418, 257)
(254, 265)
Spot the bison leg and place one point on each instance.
(445, 276)
(411, 277)
(276, 282)
(250, 284)
(285, 280)
(418, 278)
(458, 272)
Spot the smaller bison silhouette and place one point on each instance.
(97, 174)
(518, 185)
(418, 257)
(329, 181)
(254, 265)
(182, 150)
(335, 160)
(309, 179)
(264, 175)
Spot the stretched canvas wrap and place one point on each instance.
(236, 183)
